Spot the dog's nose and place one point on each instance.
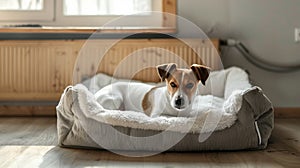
(179, 101)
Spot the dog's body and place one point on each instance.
(123, 95)
(132, 96)
(175, 98)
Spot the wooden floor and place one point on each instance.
(31, 142)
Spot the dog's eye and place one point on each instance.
(173, 85)
(189, 85)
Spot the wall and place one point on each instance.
(266, 27)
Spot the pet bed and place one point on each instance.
(231, 115)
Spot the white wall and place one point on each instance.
(266, 27)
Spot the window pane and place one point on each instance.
(21, 4)
(106, 7)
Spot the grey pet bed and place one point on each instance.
(231, 115)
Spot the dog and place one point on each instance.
(175, 98)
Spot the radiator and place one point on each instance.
(41, 69)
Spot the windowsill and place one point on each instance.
(164, 30)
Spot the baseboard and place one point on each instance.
(49, 110)
(46, 110)
(287, 112)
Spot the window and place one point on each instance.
(84, 13)
(26, 10)
(105, 7)
(21, 5)
(99, 12)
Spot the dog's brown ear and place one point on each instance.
(201, 72)
(165, 70)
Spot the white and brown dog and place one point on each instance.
(175, 99)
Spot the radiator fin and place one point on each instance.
(40, 70)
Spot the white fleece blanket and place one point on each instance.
(216, 110)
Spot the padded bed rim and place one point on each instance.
(263, 116)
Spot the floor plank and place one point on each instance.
(31, 142)
(28, 131)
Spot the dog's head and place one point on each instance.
(182, 84)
